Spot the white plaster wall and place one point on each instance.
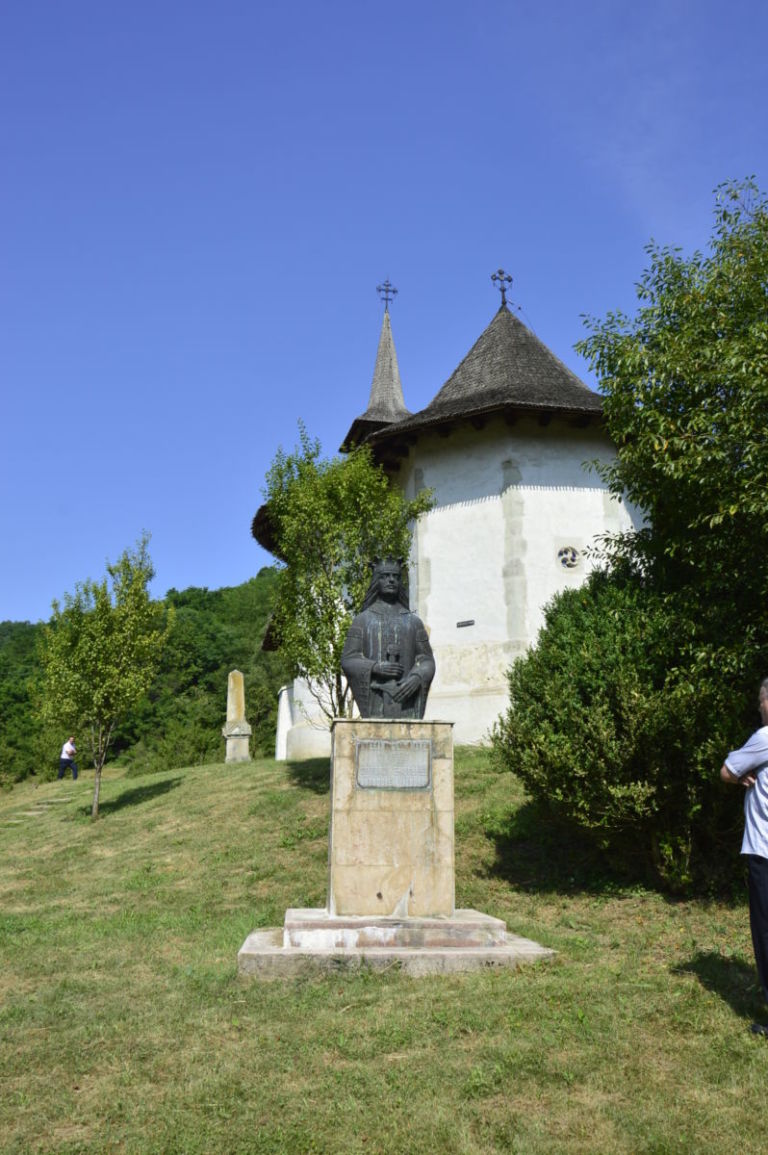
(302, 728)
(508, 499)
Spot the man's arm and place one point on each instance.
(746, 780)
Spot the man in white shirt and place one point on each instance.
(748, 767)
(67, 759)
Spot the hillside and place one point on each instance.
(179, 722)
(125, 1027)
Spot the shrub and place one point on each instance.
(611, 727)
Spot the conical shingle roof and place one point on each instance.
(508, 368)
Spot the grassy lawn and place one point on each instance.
(124, 1026)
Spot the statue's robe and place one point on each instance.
(387, 633)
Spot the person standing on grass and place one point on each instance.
(67, 759)
(748, 767)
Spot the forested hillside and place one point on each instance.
(179, 722)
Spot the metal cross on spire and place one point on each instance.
(501, 280)
(387, 292)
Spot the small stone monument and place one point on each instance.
(236, 731)
(391, 850)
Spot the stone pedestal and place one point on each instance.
(391, 840)
(238, 742)
(390, 867)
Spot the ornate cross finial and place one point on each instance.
(387, 292)
(501, 280)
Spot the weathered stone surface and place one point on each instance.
(238, 749)
(235, 697)
(263, 956)
(391, 849)
(312, 929)
(236, 731)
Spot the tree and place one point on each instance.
(329, 519)
(100, 652)
(679, 617)
(686, 402)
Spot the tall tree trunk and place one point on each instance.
(98, 765)
(104, 738)
(96, 790)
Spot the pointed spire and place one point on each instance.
(385, 403)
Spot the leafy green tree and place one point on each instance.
(679, 619)
(686, 402)
(329, 520)
(101, 650)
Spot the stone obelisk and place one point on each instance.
(236, 731)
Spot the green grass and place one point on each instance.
(124, 1026)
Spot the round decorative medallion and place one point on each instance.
(568, 557)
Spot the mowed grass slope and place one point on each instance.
(124, 1026)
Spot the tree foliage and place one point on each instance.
(686, 401)
(178, 721)
(101, 650)
(330, 519)
(610, 733)
(678, 620)
(24, 741)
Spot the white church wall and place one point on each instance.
(485, 560)
(302, 728)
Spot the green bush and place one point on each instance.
(611, 727)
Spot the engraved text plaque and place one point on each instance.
(393, 765)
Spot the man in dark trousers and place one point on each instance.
(67, 758)
(748, 767)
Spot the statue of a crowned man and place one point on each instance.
(387, 657)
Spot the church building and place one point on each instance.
(505, 446)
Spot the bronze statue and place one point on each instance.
(387, 657)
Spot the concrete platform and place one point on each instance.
(315, 940)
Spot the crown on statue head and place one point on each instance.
(380, 563)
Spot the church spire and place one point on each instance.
(385, 403)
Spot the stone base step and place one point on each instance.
(447, 948)
(316, 929)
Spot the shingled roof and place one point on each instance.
(385, 404)
(508, 368)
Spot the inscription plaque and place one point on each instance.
(393, 765)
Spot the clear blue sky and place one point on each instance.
(198, 200)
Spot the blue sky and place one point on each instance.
(198, 200)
